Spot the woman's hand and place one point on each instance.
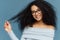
(7, 26)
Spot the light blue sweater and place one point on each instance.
(31, 33)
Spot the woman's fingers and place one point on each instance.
(7, 26)
(7, 23)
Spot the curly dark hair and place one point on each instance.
(25, 18)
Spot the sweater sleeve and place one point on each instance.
(12, 35)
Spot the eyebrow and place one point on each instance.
(35, 11)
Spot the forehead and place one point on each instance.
(34, 7)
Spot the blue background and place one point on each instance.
(9, 8)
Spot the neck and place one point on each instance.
(39, 24)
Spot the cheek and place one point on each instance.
(39, 16)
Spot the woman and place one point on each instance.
(38, 22)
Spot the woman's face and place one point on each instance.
(36, 12)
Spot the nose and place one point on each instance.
(37, 13)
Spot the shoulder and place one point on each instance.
(51, 27)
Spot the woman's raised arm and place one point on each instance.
(8, 29)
